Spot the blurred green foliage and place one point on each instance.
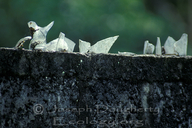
(92, 20)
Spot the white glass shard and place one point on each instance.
(61, 44)
(145, 46)
(21, 41)
(70, 44)
(38, 34)
(158, 47)
(169, 46)
(44, 30)
(104, 45)
(84, 46)
(148, 48)
(126, 53)
(180, 46)
(47, 28)
(51, 46)
(38, 39)
(32, 24)
(58, 44)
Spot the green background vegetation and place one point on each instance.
(92, 20)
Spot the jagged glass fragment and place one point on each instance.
(51, 46)
(61, 44)
(158, 47)
(180, 46)
(126, 53)
(70, 44)
(148, 48)
(32, 25)
(104, 45)
(169, 46)
(38, 34)
(58, 44)
(39, 39)
(84, 46)
(21, 41)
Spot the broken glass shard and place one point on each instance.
(126, 53)
(61, 44)
(22, 41)
(58, 44)
(38, 34)
(34, 27)
(51, 46)
(104, 45)
(148, 48)
(180, 46)
(158, 47)
(84, 46)
(38, 39)
(169, 46)
(70, 44)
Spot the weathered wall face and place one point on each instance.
(39, 89)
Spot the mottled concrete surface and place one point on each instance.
(40, 89)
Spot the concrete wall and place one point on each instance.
(39, 89)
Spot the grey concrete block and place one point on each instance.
(41, 89)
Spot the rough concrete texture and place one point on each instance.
(71, 90)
